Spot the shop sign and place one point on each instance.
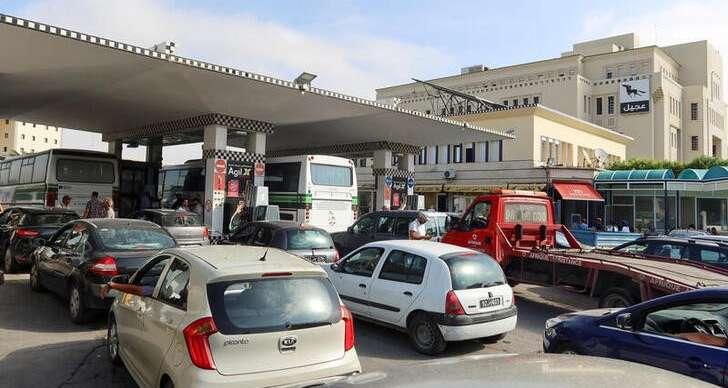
(634, 96)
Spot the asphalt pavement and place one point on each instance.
(40, 347)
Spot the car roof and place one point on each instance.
(239, 259)
(116, 222)
(285, 225)
(37, 209)
(705, 240)
(407, 213)
(421, 247)
(167, 211)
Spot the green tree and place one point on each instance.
(701, 162)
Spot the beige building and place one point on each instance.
(549, 146)
(17, 137)
(669, 99)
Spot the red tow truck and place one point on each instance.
(517, 229)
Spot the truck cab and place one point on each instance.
(496, 222)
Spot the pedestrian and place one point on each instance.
(65, 202)
(624, 227)
(109, 208)
(94, 207)
(714, 231)
(196, 206)
(418, 229)
(184, 205)
(598, 225)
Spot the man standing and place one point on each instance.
(418, 229)
(94, 207)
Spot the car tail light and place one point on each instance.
(452, 304)
(198, 345)
(51, 197)
(348, 328)
(105, 266)
(26, 233)
(205, 232)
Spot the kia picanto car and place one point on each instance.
(231, 316)
(435, 292)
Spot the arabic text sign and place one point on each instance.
(634, 96)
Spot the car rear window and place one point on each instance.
(473, 270)
(308, 239)
(125, 238)
(49, 219)
(531, 213)
(181, 219)
(275, 304)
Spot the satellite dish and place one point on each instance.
(602, 156)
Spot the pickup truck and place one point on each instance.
(517, 229)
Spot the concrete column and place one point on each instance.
(256, 143)
(480, 152)
(154, 162)
(116, 148)
(407, 162)
(214, 138)
(154, 151)
(382, 159)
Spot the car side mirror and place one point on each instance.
(335, 267)
(350, 229)
(624, 321)
(120, 279)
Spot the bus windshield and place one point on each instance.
(84, 170)
(329, 175)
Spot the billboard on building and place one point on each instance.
(634, 96)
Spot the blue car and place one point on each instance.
(685, 333)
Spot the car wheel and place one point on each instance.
(9, 262)
(493, 339)
(425, 336)
(76, 306)
(565, 349)
(35, 279)
(616, 297)
(112, 342)
(168, 383)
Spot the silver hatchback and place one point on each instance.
(185, 227)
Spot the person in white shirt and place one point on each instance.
(418, 229)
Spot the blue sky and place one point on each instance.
(356, 47)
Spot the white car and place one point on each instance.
(231, 316)
(435, 292)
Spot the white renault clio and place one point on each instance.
(435, 292)
(231, 316)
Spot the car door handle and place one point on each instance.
(362, 285)
(407, 293)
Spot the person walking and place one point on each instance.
(109, 208)
(65, 202)
(94, 207)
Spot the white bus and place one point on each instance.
(44, 178)
(319, 190)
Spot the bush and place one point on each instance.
(701, 162)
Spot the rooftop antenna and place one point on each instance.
(262, 258)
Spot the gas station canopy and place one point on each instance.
(55, 76)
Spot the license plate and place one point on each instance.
(491, 302)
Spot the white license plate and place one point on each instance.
(491, 302)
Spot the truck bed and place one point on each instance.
(669, 275)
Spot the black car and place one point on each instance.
(312, 243)
(386, 225)
(698, 249)
(85, 254)
(20, 228)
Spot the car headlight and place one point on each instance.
(550, 323)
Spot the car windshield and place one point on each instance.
(473, 270)
(634, 247)
(181, 219)
(126, 238)
(435, 224)
(261, 305)
(300, 239)
(49, 218)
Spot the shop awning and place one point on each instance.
(577, 191)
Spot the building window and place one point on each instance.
(505, 102)
(599, 106)
(609, 75)
(362, 162)
(500, 150)
(449, 158)
(536, 99)
(423, 156)
(5, 149)
(33, 125)
(427, 112)
(46, 140)
(610, 105)
(55, 141)
(525, 101)
(7, 122)
(515, 102)
(22, 150)
(437, 155)
(584, 103)
(33, 138)
(694, 143)
(457, 151)
(470, 154)
(6, 135)
(22, 137)
(694, 111)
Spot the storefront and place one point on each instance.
(657, 199)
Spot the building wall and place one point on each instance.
(680, 75)
(18, 137)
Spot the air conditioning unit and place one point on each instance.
(449, 174)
